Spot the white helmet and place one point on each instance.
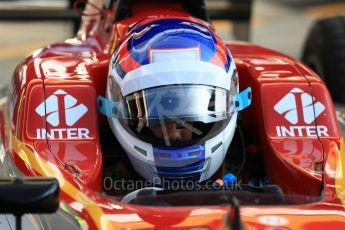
(172, 99)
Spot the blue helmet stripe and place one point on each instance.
(179, 162)
(171, 34)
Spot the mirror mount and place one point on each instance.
(34, 195)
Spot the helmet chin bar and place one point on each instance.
(143, 155)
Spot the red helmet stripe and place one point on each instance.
(220, 56)
(126, 61)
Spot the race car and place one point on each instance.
(287, 149)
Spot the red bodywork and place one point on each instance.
(298, 159)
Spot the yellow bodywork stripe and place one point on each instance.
(340, 177)
(45, 169)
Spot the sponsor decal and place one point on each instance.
(273, 220)
(62, 111)
(297, 106)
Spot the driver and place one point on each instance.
(172, 99)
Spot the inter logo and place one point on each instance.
(298, 107)
(71, 114)
(64, 118)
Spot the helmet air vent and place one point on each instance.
(140, 150)
(165, 155)
(214, 148)
(194, 153)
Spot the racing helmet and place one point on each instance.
(171, 99)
